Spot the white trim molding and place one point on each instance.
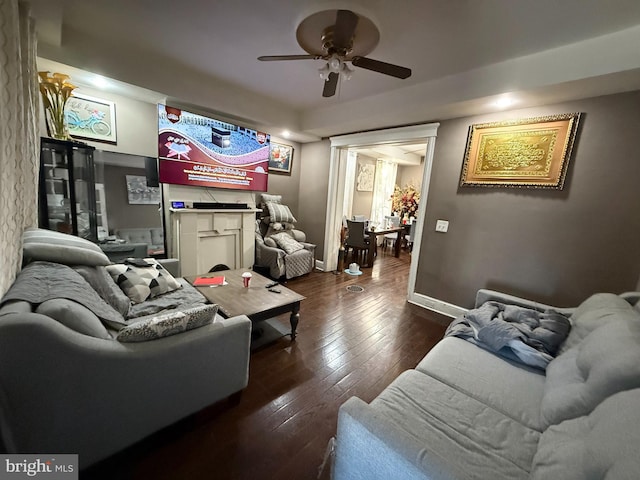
(436, 305)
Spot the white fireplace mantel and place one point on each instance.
(202, 238)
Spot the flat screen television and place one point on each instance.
(204, 152)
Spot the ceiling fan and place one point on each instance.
(349, 39)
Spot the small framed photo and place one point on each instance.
(280, 158)
(91, 118)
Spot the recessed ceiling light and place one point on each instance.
(504, 102)
(286, 133)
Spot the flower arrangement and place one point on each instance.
(405, 200)
(56, 90)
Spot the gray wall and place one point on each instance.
(410, 175)
(556, 247)
(314, 185)
(120, 213)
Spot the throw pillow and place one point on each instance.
(103, 284)
(167, 324)
(74, 316)
(270, 242)
(280, 213)
(287, 243)
(271, 198)
(50, 246)
(141, 283)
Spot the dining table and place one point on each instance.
(373, 236)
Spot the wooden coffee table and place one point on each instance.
(256, 302)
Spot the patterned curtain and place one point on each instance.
(19, 148)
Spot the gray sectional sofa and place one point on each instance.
(76, 378)
(467, 413)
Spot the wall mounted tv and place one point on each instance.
(205, 152)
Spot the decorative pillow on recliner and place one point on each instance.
(280, 213)
(287, 243)
(266, 198)
(140, 283)
(270, 242)
(167, 324)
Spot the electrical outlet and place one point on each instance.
(442, 226)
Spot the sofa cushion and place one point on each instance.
(457, 432)
(595, 311)
(140, 283)
(103, 284)
(280, 213)
(75, 316)
(607, 361)
(286, 242)
(511, 388)
(167, 324)
(604, 444)
(50, 246)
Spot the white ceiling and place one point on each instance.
(463, 54)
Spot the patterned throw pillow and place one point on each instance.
(287, 243)
(141, 283)
(280, 213)
(167, 324)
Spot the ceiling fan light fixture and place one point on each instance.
(346, 71)
(334, 64)
(324, 72)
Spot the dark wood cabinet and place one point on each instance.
(67, 195)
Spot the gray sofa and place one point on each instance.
(152, 236)
(70, 384)
(465, 412)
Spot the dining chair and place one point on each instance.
(390, 238)
(356, 241)
(411, 235)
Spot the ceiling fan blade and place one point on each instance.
(330, 85)
(381, 67)
(346, 23)
(275, 58)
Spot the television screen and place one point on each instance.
(205, 152)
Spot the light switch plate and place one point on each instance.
(442, 226)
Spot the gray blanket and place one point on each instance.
(518, 333)
(42, 281)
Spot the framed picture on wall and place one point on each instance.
(366, 173)
(139, 193)
(280, 158)
(525, 153)
(91, 118)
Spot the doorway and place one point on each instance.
(341, 167)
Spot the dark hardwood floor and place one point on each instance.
(348, 344)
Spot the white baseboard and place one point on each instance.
(320, 265)
(436, 305)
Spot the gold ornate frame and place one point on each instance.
(526, 153)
